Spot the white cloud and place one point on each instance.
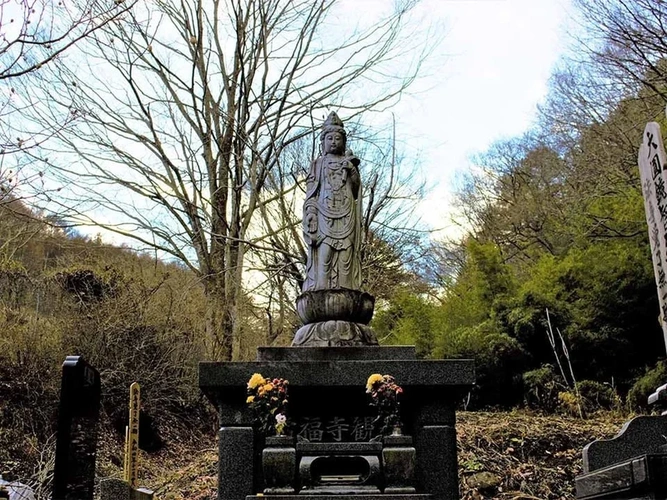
(496, 58)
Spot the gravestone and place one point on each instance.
(331, 453)
(652, 164)
(634, 463)
(76, 441)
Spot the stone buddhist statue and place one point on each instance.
(332, 214)
(334, 310)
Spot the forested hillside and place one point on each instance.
(131, 316)
(552, 290)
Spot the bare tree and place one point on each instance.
(627, 42)
(177, 116)
(35, 32)
(7, 184)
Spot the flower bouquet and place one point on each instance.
(267, 399)
(385, 393)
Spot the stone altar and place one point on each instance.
(332, 452)
(327, 389)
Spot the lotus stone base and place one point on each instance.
(334, 333)
(335, 317)
(339, 304)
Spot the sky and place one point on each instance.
(482, 83)
(493, 69)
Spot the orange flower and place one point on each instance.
(256, 380)
(372, 380)
(265, 388)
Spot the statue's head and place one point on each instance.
(333, 137)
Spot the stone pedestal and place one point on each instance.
(334, 318)
(114, 489)
(328, 404)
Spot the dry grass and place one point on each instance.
(529, 456)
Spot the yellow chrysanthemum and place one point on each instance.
(250, 399)
(256, 380)
(372, 380)
(265, 388)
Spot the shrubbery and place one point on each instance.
(647, 384)
(134, 319)
(541, 388)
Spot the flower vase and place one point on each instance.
(279, 465)
(399, 458)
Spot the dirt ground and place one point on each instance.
(508, 455)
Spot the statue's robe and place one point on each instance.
(333, 197)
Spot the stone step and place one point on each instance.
(348, 353)
(377, 496)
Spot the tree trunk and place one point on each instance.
(219, 320)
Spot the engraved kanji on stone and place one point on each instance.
(660, 192)
(336, 427)
(362, 428)
(651, 143)
(655, 236)
(311, 429)
(656, 168)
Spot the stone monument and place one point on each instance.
(76, 440)
(333, 447)
(334, 311)
(634, 463)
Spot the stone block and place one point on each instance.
(399, 461)
(76, 437)
(279, 465)
(437, 468)
(349, 353)
(217, 378)
(363, 496)
(235, 466)
(142, 494)
(641, 477)
(339, 448)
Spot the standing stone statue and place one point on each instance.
(332, 214)
(334, 310)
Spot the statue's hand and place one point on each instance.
(310, 223)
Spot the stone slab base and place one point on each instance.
(349, 353)
(414, 496)
(639, 436)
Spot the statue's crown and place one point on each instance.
(332, 123)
